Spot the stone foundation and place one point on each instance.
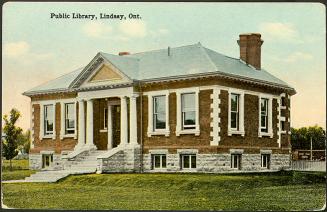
(35, 162)
(220, 163)
(126, 160)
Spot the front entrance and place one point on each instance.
(116, 125)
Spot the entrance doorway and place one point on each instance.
(116, 125)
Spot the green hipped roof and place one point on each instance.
(181, 61)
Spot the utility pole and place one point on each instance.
(311, 148)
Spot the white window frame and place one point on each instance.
(282, 119)
(270, 128)
(283, 95)
(42, 131)
(265, 127)
(63, 103)
(267, 159)
(190, 161)
(153, 156)
(240, 129)
(66, 128)
(151, 129)
(238, 156)
(46, 131)
(179, 129)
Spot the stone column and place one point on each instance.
(109, 127)
(89, 125)
(123, 121)
(133, 121)
(81, 125)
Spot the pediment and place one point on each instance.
(105, 73)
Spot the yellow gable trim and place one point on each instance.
(105, 73)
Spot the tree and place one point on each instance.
(24, 141)
(10, 141)
(300, 138)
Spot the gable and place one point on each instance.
(105, 73)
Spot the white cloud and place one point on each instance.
(96, 29)
(133, 28)
(15, 49)
(297, 56)
(280, 31)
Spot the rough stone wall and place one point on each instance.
(35, 162)
(127, 160)
(220, 163)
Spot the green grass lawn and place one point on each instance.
(20, 170)
(274, 191)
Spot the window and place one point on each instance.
(159, 112)
(188, 161)
(48, 119)
(105, 118)
(265, 161)
(158, 116)
(283, 101)
(234, 113)
(158, 161)
(236, 161)
(282, 123)
(264, 115)
(188, 111)
(47, 160)
(69, 118)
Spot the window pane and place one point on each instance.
(163, 158)
(263, 121)
(264, 106)
(188, 102)
(157, 161)
(193, 161)
(48, 112)
(70, 124)
(234, 102)
(70, 111)
(49, 125)
(283, 125)
(159, 104)
(189, 118)
(160, 121)
(233, 120)
(235, 161)
(186, 161)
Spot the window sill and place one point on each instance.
(282, 107)
(161, 132)
(68, 136)
(232, 132)
(48, 136)
(283, 132)
(103, 130)
(184, 132)
(263, 134)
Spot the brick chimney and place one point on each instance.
(250, 49)
(123, 53)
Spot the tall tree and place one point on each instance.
(12, 132)
(300, 138)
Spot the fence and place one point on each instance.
(307, 165)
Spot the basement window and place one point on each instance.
(159, 161)
(236, 161)
(265, 161)
(188, 161)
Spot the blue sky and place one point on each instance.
(37, 48)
